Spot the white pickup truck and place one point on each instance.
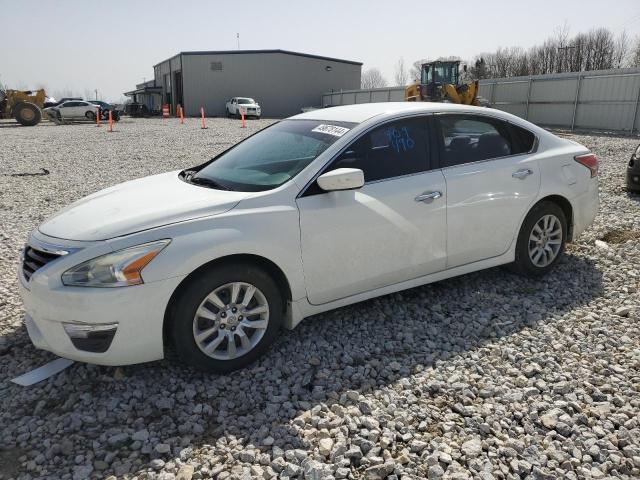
(248, 105)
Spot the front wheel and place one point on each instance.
(90, 116)
(226, 318)
(541, 240)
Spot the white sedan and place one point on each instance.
(315, 212)
(75, 109)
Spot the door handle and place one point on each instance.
(522, 174)
(428, 197)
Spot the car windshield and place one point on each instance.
(245, 101)
(269, 158)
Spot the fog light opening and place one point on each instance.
(91, 338)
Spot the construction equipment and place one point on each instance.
(23, 105)
(440, 82)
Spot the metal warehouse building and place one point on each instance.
(281, 81)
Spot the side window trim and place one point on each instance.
(430, 164)
(439, 141)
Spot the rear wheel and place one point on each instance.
(226, 318)
(27, 114)
(541, 240)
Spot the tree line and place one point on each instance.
(596, 49)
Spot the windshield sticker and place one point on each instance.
(331, 130)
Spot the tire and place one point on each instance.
(27, 114)
(228, 113)
(536, 258)
(195, 298)
(90, 116)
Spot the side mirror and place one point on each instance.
(341, 179)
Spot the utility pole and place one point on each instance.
(96, 90)
(238, 39)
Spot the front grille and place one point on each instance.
(35, 259)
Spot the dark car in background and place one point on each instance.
(105, 108)
(633, 172)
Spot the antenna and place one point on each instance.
(238, 38)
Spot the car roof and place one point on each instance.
(364, 111)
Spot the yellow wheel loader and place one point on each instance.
(440, 82)
(25, 106)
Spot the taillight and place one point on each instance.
(590, 161)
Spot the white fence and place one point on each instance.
(373, 95)
(599, 100)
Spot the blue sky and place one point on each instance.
(112, 44)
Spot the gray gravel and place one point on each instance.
(483, 376)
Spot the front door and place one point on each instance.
(492, 181)
(67, 109)
(391, 230)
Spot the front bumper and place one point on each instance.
(128, 320)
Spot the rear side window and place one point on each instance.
(391, 150)
(468, 138)
(523, 139)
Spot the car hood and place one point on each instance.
(138, 205)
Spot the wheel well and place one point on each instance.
(271, 268)
(566, 207)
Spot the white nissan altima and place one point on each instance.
(315, 212)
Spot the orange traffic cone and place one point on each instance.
(202, 117)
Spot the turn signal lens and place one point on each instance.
(590, 161)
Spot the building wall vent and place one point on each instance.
(216, 66)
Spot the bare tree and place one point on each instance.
(635, 54)
(622, 50)
(401, 77)
(415, 72)
(373, 78)
(478, 68)
(596, 49)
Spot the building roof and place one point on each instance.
(144, 90)
(236, 52)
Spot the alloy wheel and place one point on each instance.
(545, 240)
(231, 321)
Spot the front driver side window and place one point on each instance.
(391, 150)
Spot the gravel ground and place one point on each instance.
(484, 376)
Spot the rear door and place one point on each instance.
(83, 108)
(391, 230)
(492, 180)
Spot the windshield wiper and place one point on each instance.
(207, 182)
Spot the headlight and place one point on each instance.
(117, 269)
